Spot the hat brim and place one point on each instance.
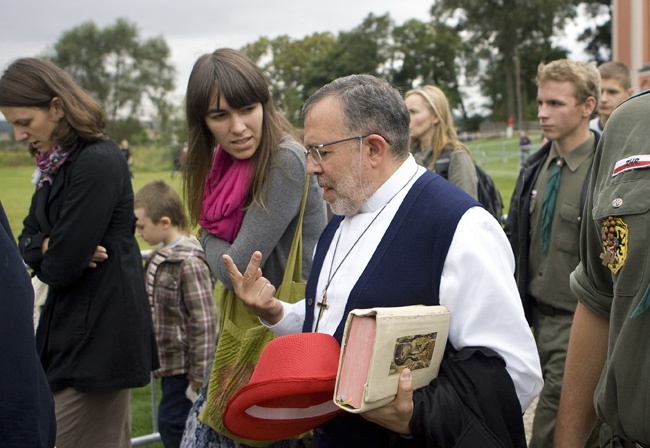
(281, 408)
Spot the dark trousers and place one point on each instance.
(173, 411)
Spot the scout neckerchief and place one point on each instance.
(548, 205)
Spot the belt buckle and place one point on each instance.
(545, 309)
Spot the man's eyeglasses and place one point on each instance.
(314, 150)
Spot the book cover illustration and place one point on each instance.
(413, 352)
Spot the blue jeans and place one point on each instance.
(173, 411)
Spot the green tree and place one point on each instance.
(500, 31)
(128, 128)
(598, 37)
(413, 53)
(285, 62)
(492, 80)
(122, 71)
(379, 30)
(429, 53)
(297, 68)
(157, 82)
(361, 50)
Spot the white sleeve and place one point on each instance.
(292, 320)
(479, 288)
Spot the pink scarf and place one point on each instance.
(48, 164)
(224, 196)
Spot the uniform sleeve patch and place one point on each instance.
(631, 163)
(614, 234)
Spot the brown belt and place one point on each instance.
(551, 311)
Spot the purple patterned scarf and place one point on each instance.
(48, 164)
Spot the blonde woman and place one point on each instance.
(434, 141)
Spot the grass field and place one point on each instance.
(499, 157)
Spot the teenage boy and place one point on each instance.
(615, 87)
(543, 223)
(179, 286)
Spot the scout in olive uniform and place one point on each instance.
(609, 351)
(567, 95)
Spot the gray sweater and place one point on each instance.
(270, 229)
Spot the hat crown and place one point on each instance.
(298, 356)
(291, 390)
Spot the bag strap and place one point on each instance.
(293, 269)
(442, 164)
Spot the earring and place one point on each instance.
(432, 125)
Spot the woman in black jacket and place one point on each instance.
(94, 336)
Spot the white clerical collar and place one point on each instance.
(391, 186)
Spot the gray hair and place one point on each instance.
(370, 106)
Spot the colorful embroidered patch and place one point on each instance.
(631, 163)
(614, 235)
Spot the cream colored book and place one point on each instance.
(378, 343)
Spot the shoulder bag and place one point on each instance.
(242, 338)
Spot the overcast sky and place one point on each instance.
(194, 27)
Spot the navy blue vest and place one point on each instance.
(404, 270)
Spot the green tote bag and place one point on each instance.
(242, 338)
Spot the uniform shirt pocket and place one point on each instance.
(625, 197)
(567, 235)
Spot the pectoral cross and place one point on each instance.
(323, 306)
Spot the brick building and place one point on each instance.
(631, 39)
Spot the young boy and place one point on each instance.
(179, 286)
(615, 87)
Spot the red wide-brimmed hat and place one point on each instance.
(290, 391)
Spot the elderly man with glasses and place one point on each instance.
(403, 236)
